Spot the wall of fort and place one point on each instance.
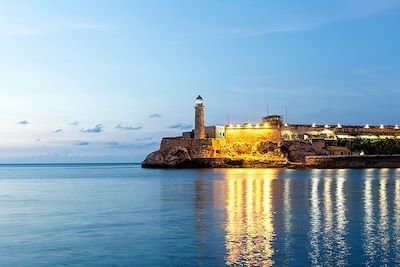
(252, 135)
(197, 148)
(258, 141)
(297, 132)
(335, 162)
(372, 130)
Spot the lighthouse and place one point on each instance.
(199, 130)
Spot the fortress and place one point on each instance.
(269, 143)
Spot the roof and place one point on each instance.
(199, 98)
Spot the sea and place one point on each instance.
(123, 215)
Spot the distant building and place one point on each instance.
(273, 120)
(338, 151)
(215, 131)
(188, 134)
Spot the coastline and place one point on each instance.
(317, 162)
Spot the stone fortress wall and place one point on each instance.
(197, 148)
(245, 134)
(304, 131)
(240, 136)
(340, 162)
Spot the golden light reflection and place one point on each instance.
(249, 227)
(368, 233)
(315, 215)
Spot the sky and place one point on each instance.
(104, 81)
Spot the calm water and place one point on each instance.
(122, 215)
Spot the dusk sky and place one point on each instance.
(103, 81)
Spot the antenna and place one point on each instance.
(286, 112)
(267, 110)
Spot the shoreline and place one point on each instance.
(311, 162)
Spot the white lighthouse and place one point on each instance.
(199, 130)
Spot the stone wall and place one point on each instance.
(372, 130)
(197, 148)
(335, 162)
(297, 131)
(252, 135)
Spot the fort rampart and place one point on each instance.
(337, 162)
(252, 135)
(298, 131)
(197, 148)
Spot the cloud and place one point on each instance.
(336, 12)
(327, 110)
(112, 143)
(155, 116)
(82, 144)
(180, 126)
(144, 138)
(74, 124)
(261, 89)
(134, 146)
(127, 128)
(364, 71)
(57, 130)
(96, 129)
(23, 122)
(12, 29)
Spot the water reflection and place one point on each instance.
(200, 212)
(397, 221)
(383, 218)
(328, 221)
(287, 209)
(369, 237)
(341, 220)
(249, 227)
(333, 217)
(315, 221)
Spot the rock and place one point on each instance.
(188, 153)
(154, 159)
(296, 151)
(265, 147)
(203, 152)
(175, 157)
(242, 148)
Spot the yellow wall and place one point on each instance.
(252, 134)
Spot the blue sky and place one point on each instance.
(103, 81)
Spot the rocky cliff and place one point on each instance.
(212, 153)
(174, 157)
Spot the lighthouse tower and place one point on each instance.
(199, 130)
